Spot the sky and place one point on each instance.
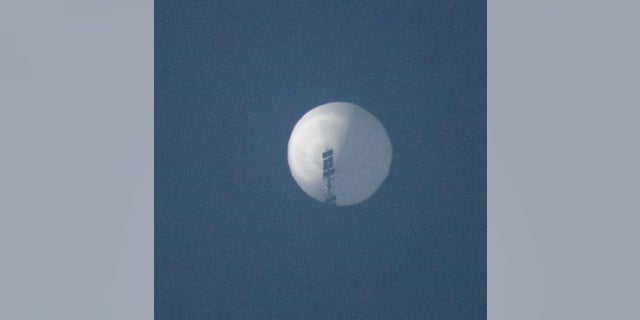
(236, 238)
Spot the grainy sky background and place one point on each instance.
(234, 235)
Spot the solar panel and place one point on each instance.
(327, 171)
(327, 163)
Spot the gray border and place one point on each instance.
(563, 156)
(76, 160)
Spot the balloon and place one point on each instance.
(339, 149)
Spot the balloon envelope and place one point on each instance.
(361, 152)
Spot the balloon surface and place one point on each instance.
(361, 153)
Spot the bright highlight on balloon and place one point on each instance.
(339, 153)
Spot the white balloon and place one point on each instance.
(361, 152)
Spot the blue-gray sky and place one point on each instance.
(234, 235)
